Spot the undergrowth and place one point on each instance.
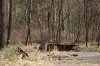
(9, 52)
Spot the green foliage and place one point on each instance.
(12, 48)
(11, 51)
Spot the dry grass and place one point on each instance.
(92, 47)
(36, 57)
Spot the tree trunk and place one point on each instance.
(68, 21)
(86, 22)
(9, 24)
(28, 37)
(1, 25)
(48, 20)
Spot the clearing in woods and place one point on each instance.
(54, 58)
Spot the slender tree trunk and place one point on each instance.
(98, 34)
(48, 20)
(60, 21)
(28, 37)
(62, 17)
(52, 20)
(68, 11)
(1, 25)
(86, 22)
(98, 37)
(40, 23)
(9, 24)
(98, 22)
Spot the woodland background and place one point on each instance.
(39, 21)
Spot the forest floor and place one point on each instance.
(8, 57)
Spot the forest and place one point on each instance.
(49, 32)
